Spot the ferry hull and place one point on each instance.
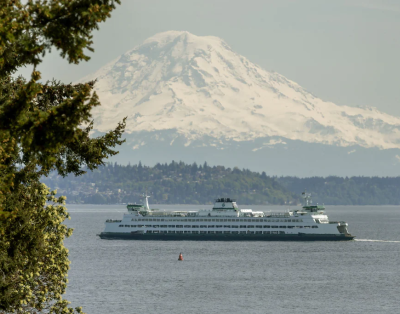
(225, 237)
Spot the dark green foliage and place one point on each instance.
(179, 183)
(174, 183)
(347, 191)
(43, 127)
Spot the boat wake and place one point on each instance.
(370, 240)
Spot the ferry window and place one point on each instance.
(218, 231)
(258, 226)
(162, 219)
(195, 232)
(290, 226)
(235, 232)
(187, 226)
(314, 226)
(179, 232)
(186, 231)
(201, 219)
(266, 226)
(171, 226)
(133, 226)
(234, 226)
(242, 232)
(163, 226)
(148, 226)
(212, 219)
(250, 232)
(282, 226)
(171, 231)
(257, 220)
(203, 232)
(250, 226)
(127, 225)
(274, 226)
(225, 220)
(243, 226)
(306, 226)
(300, 227)
(229, 219)
(120, 225)
(211, 231)
(266, 232)
(156, 226)
(149, 231)
(194, 226)
(218, 226)
(179, 226)
(281, 232)
(227, 226)
(227, 232)
(202, 226)
(258, 232)
(211, 226)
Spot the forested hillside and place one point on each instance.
(180, 183)
(347, 191)
(174, 183)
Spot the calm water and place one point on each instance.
(116, 276)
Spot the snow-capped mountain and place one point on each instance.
(196, 89)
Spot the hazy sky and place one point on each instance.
(345, 51)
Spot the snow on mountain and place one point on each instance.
(198, 86)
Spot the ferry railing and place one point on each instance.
(277, 215)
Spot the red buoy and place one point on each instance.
(180, 258)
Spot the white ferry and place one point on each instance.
(226, 222)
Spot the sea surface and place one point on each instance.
(117, 276)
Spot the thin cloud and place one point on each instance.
(377, 5)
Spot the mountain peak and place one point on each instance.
(170, 36)
(198, 86)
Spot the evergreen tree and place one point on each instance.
(41, 131)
